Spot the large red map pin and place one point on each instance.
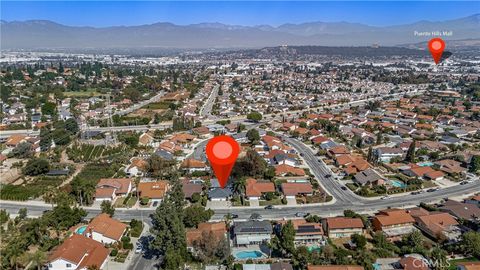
(436, 47)
(222, 152)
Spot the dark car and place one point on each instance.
(463, 183)
(344, 188)
(233, 216)
(328, 175)
(432, 189)
(269, 207)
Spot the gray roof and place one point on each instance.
(252, 227)
(328, 144)
(367, 176)
(281, 266)
(164, 154)
(219, 193)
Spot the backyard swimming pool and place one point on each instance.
(398, 183)
(81, 229)
(250, 254)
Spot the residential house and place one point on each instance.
(386, 154)
(369, 177)
(252, 232)
(155, 191)
(193, 165)
(468, 266)
(287, 170)
(105, 229)
(308, 233)
(137, 167)
(461, 210)
(475, 200)
(254, 189)
(450, 167)
(394, 222)
(146, 139)
(439, 225)
(293, 189)
(191, 187)
(109, 188)
(339, 227)
(78, 252)
(273, 266)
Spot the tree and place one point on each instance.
(211, 248)
(410, 157)
(168, 229)
(107, 208)
(71, 126)
(471, 243)
(22, 150)
(60, 137)
(439, 258)
(287, 238)
(196, 214)
(49, 108)
(38, 258)
(239, 185)
(254, 116)
(474, 164)
(250, 165)
(36, 166)
(359, 240)
(253, 136)
(45, 139)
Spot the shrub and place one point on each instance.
(114, 252)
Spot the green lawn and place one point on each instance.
(277, 201)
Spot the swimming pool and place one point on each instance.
(398, 183)
(425, 163)
(251, 254)
(81, 229)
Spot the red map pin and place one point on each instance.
(222, 152)
(436, 47)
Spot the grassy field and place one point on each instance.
(89, 93)
(157, 106)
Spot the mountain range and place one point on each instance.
(47, 34)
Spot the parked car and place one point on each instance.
(432, 189)
(138, 249)
(233, 216)
(302, 214)
(268, 207)
(464, 182)
(385, 197)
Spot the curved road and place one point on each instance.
(344, 199)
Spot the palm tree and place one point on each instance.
(239, 186)
(38, 258)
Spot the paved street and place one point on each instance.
(206, 110)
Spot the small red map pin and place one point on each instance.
(222, 152)
(436, 47)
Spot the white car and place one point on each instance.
(385, 197)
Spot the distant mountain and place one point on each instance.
(47, 34)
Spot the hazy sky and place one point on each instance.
(108, 13)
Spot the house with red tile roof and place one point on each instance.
(119, 187)
(255, 189)
(394, 222)
(339, 227)
(293, 189)
(439, 225)
(105, 229)
(307, 233)
(155, 191)
(78, 252)
(193, 165)
(284, 170)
